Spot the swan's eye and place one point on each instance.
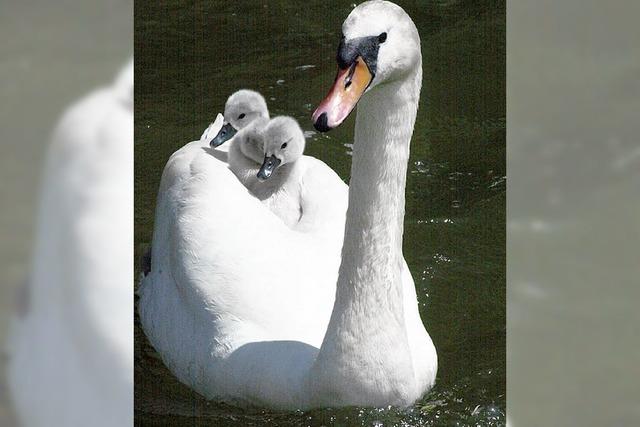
(241, 116)
(382, 38)
(283, 146)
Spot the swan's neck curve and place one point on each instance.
(365, 352)
(372, 252)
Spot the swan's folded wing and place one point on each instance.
(324, 199)
(226, 273)
(224, 249)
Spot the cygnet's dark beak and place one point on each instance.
(268, 166)
(226, 133)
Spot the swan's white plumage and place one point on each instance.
(71, 353)
(247, 314)
(214, 288)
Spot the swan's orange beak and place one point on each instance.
(343, 96)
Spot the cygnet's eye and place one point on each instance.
(283, 146)
(241, 116)
(382, 38)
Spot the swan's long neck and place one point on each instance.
(366, 341)
(372, 252)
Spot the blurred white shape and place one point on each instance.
(71, 348)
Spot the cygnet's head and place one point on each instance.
(283, 143)
(251, 143)
(242, 108)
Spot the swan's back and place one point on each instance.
(226, 272)
(324, 200)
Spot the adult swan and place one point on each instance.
(247, 313)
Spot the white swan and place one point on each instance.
(232, 326)
(271, 165)
(71, 353)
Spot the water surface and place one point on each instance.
(190, 57)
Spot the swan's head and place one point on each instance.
(380, 44)
(283, 143)
(242, 108)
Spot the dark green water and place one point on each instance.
(191, 56)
